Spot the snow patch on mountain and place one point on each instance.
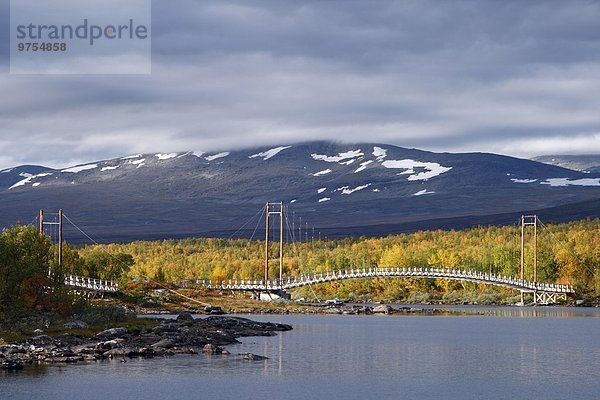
(340, 157)
(562, 182)
(29, 179)
(431, 169)
(198, 154)
(319, 191)
(6, 170)
(324, 199)
(168, 156)
(109, 168)
(320, 173)
(75, 170)
(515, 180)
(216, 156)
(422, 192)
(347, 190)
(379, 153)
(363, 166)
(139, 163)
(269, 153)
(131, 157)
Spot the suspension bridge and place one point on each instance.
(541, 292)
(52, 224)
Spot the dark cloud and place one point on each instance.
(513, 77)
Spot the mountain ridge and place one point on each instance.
(338, 187)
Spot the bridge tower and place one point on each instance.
(526, 221)
(56, 220)
(274, 209)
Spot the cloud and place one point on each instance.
(509, 77)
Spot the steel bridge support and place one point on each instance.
(544, 298)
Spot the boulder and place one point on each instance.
(11, 365)
(40, 340)
(383, 309)
(75, 325)
(213, 310)
(165, 344)
(121, 352)
(146, 352)
(111, 344)
(63, 359)
(87, 348)
(112, 333)
(212, 349)
(253, 357)
(185, 316)
(167, 327)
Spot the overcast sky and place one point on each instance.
(512, 77)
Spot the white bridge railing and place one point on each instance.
(385, 272)
(97, 285)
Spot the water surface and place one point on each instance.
(545, 353)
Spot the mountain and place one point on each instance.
(363, 188)
(589, 163)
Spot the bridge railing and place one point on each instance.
(290, 282)
(98, 285)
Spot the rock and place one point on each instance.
(167, 327)
(213, 310)
(11, 365)
(122, 352)
(253, 357)
(75, 325)
(111, 344)
(112, 333)
(12, 349)
(165, 344)
(40, 340)
(63, 360)
(185, 316)
(87, 348)
(212, 349)
(146, 352)
(383, 309)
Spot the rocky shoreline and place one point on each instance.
(184, 335)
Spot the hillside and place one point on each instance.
(341, 189)
(589, 163)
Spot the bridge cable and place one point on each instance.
(143, 275)
(572, 251)
(293, 236)
(246, 223)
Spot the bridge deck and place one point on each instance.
(386, 272)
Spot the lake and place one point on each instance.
(492, 353)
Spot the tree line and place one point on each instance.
(566, 253)
(31, 279)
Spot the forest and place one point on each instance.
(566, 253)
(32, 280)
